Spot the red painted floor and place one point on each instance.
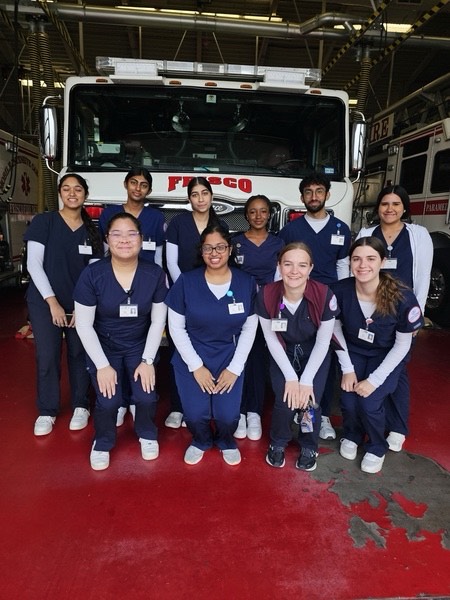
(169, 531)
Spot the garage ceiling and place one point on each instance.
(268, 32)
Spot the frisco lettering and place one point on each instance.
(242, 184)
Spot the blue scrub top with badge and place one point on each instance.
(400, 250)
(328, 246)
(99, 287)
(301, 330)
(66, 254)
(152, 226)
(408, 319)
(212, 328)
(259, 261)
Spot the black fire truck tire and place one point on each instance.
(438, 301)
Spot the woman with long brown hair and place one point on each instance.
(375, 327)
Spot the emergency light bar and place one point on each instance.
(155, 70)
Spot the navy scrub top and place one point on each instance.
(259, 261)
(407, 320)
(63, 261)
(213, 331)
(99, 287)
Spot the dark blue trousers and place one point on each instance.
(283, 416)
(200, 408)
(363, 416)
(105, 414)
(255, 373)
(48, 346)
(397, 404)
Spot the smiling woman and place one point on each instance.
(59, 245)
(121, 317)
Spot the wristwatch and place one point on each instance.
(147, 361)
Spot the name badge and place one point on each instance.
(84, 249)
(337, 240)
(128, 310)
(236, 308)
(366, 336)
(279, 324)
(148, 245)
(390, 263)
(239, 259)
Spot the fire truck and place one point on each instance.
(18, 199)
(418, 160)
(247, 129)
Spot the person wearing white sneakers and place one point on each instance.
(256, 253)
(375, 327)
(59, 246)
(213, 325)
(183, 238)
(410, 256)
(120, 320)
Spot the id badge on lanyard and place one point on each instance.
(148, 245)
(365, 334)
(128, 309)
(278, 323)
(85, 249)
(235, 308)
(337, 239)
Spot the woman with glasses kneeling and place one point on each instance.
(212, 324)
(120, 319)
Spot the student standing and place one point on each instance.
(138, 185)
(329, 239)
(59, 245)
(375, 327)
(409, 257)
(297, 316)
(213, 326)
(121, 317)
(256, 253)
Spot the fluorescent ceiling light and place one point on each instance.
(29, 83)
(194, 13)
(389, 27)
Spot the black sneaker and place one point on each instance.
(307, 460)
(275, 456)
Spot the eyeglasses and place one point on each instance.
(319, 193)
(125, 235)
(220, 248)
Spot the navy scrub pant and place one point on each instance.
(48, 346)
(363, 416)
(397, 404)
(199, 408)
(105, 414)
(255, 371)
(283, 416)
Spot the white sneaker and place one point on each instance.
(327, 431)
(44, 425)
(254, 429)
(132, 409)
(348, 449)
(79, 419)
(174, 420)
(241, 430)
(149, 449)
(371, 463)
(193, 455)
(99, 459)
(395, 441)
(231, 456)
(122, 411)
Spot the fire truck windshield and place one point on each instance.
(187, 129)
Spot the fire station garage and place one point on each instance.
(225, 299)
